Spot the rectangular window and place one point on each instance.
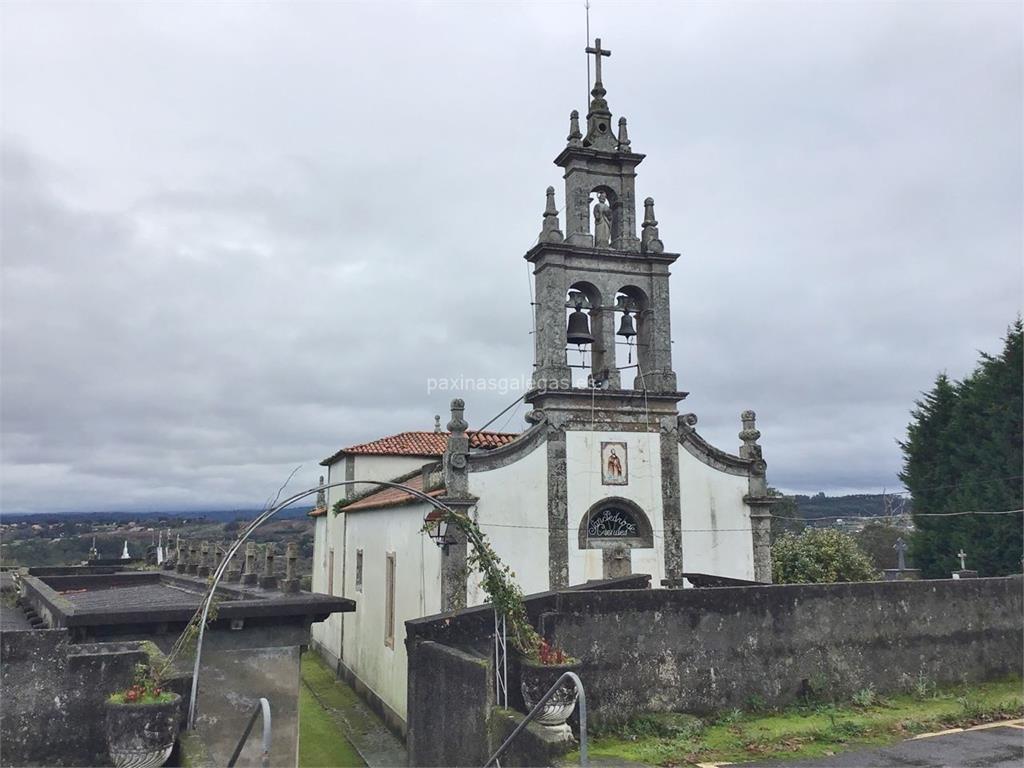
(330, 572)
(389, 601)
(359, 570)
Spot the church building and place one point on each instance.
(608, 478)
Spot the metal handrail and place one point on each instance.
(264, 708)
(582, 701)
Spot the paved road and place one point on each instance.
(999, 746)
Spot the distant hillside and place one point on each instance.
(856, 505)
(151, 518)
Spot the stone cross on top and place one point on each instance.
(598, 52)
(962, 555)
(900, 546)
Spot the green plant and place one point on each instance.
(819, 556)
(498, 581)
(146, 688)
(865, 697)
(756, 703)
(921, 687)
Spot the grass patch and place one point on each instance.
(807, 731)
(322, 743)
(146, 697)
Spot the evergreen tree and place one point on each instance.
(963, 453)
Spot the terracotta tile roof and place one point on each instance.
(392, 497)
(427, 444)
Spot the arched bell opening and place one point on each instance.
(583, 339)
(633, 328)
(605, 216)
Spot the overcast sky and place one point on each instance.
(239, 236)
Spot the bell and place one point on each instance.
(626, 329)
(578, 331)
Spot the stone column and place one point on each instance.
(757, 498)
(602, 326)
(551, 371)
(251, 577)
(291, 579)
(193, 558)
(268, 580)
(671, 500)
(657, 333)
(577, 208)
(456, 482)
(558, 508)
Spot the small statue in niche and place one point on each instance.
(602, 222)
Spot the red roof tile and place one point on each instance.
(392, 497)
(427, 444)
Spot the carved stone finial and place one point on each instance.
(650, 241)
(575, 138)
(321, 495)
(623, 136)
(457, 425)
(437, 423)
(687, 422)
(549, 232)
(749, 435)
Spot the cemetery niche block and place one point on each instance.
(98, 625)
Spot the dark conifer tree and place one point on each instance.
(963, 453)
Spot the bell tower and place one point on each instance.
(613, 284)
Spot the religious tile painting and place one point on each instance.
(614, 464)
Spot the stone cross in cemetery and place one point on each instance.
(250, 576)
(268, 580)
(204, 560)
(962, 555)
(291, 581)
(900, 546)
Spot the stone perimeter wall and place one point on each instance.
(703, 650)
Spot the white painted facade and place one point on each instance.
(717, 535)
(512, 510)
(330, 536)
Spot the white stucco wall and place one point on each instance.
(417, 593)
(383, 468)
(328, 633)
(584, 487)
(513, 513)
(716, 523)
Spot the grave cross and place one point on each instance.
(962, 555)
(598, 52)
(900, 546)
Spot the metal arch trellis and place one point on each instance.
(256, 523)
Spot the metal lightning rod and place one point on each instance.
(586, 5)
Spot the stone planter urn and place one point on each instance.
(534, 681)
(142, 735)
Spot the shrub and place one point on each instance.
(819, 556)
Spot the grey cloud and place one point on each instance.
(236, 238)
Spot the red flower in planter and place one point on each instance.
(549, 656)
